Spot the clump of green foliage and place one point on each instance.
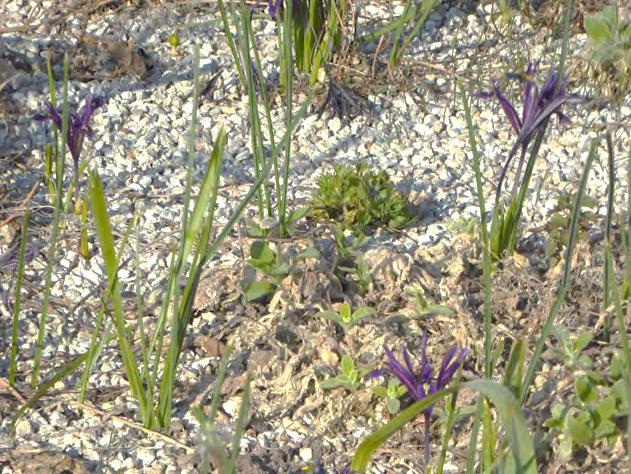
(610, 41)
(350, 377)
(596, 412)
(391, 394)
(358, 198)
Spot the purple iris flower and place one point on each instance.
(418, 380)
(538, 105)
(274, 5)
(78, 126)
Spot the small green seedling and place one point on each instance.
(274, 267)
(346, 317)
(174, 42)
(594, 417)
(595, 412)
(344, 248)
(423, 307)
(569, 348)
(350, 378)
(271, 226)
(391, 394)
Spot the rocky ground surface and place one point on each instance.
(413, 127)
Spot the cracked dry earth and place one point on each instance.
(417, 133)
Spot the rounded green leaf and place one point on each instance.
(596, 29)
(585, 389)
(332, 315)
(261, 253)
(380, 391)
(258, 289)
(331, 383)
(393, 405)
(347, 365)
(578, 429)
(345, 311)
(361, 313)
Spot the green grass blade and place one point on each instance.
(489, 439)
(425, 8)
(96, 347)
(608, 222)
(398, 31)
(231, 43)
(54, 235)
(205, 202)
(626, 283)
(387, 28)
(289, 78)
(53, 101)
(372, 442)
(486, 274)
(45, 386)
(256, 136)
(221, 376)
(523, 454)
(266, 106)
(515, 366)
(209, 186)
(191, 139)
(449, 425)
(486, 256)
(178, 260)
(106, 242)
(564, 284)
(475, 430)
(140, 315)
(18, 296)
(241, 424)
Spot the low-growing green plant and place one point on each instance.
(350, 378)
(351, 264)
(346, 317)
(570, 348)
(274, 267)
(359, 198)
(610, 42)
(596, 411)
(422, 307)
(391, 394)
(347, 247)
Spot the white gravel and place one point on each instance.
(139, 149)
